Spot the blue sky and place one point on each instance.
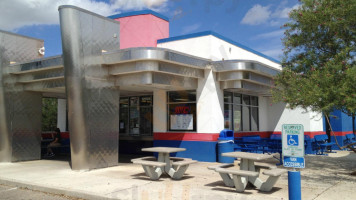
(253, 23)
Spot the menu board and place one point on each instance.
(182, 122)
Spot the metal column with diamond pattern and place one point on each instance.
(20, 110)
(93, 99)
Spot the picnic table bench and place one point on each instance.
(321, 143)
(249, 171)
(152, 168)
(173, 166)
(350, 139)
(249, 143)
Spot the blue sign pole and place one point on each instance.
(294, 185)
(293, 153)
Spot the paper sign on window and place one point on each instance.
(182, 122)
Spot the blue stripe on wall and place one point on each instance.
(341, 122)
(201, 151)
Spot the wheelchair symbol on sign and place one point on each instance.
(292, 140)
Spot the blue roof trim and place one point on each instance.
(141, 12)
(205, 33)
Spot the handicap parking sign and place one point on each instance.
(292, 140)
(295, 162)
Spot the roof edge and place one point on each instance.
(205, 33)
(141, 12)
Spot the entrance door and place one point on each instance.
(146, 121)
(136, 116)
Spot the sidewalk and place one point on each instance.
(325, 177)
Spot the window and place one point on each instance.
(136, 116)
(240, 112)
(182, 111)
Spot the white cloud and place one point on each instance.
(281, 12)
(264, 15)
(273, 34)
(191, 28)
(256, 15)
(15, 14)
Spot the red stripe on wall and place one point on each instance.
(208, 137)
(341, 133)
(267, 134)
(261, 134)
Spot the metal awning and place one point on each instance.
(245, 76)
(147, 68)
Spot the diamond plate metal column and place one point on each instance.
(93, 99)
(20, 111)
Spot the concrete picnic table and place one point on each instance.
(249, 173)
(163, 154)
(174, 167)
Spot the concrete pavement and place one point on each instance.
(325, 177)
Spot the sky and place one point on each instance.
(253, 23)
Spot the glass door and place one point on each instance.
(134, 116)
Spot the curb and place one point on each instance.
(63, 191)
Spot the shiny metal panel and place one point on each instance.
(39, 64)
(55, 85)
(157, 80)
(152, 53)
(175, 82)
(40, 76)
(246, 76)
(143, 78)
(240, 75)
(133, 67)
(181, 70)
(26, 126)
(155, 66)
(20, 111)
(237, 65)
(234, 75)
(245, 87)
(93, 106)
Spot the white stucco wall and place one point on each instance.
(199, 46)
(61, 114)
(278, 115)
(210, 104)
(159, 111)
(215, 49)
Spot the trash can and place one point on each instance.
(225, 144)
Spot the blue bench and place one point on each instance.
(48, 138)
(248, 143)
(350, 139)
(321, 144)
(275, 143)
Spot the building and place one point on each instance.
(122, 81)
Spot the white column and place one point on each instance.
(61, 114)
(210, 104)
(159, 111)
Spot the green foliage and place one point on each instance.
(319, 70)
(49, 114)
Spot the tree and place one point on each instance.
(319, 71)
(49, 114)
